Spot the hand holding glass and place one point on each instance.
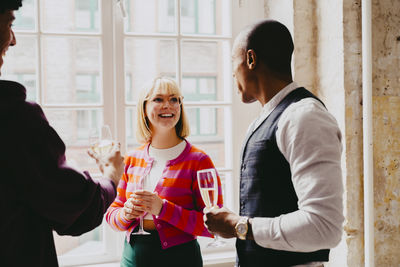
(140, 186)
(101, 142)
(208, 186)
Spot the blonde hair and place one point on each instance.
(160, 85)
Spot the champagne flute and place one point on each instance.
(101, 141)
(140, 186)
(208, 186)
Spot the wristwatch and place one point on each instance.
(242, 227)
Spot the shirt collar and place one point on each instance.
(271, 105)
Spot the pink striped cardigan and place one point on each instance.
(181, 216)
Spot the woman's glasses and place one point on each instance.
(173, 101)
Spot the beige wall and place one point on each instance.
(328, 61)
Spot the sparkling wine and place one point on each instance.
(208, 185)
(208, 195)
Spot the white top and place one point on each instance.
(309, 138)
(160, 156)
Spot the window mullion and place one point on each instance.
(39, 67)
(179, 44)
(107, 65)
(119, 74)
(110, 104)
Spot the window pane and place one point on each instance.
(72, 70)
(197, 88)
(70, 15)
(150, 16)
(88, 243)
(209, 17)
(20, 64)
(130, 124)
(74, 126)
(205, 66)
(25, 16)
(207, 131)
(146, 59)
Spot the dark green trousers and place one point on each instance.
(146, 251)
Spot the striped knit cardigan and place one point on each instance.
(181, 216)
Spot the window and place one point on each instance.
(198, 16)
(85, 65)
(87, 86)
(86, 15)
(201, 89)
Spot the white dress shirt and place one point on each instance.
(309, 138)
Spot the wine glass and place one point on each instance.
(101, 141)
(140, 186)
(208, 186)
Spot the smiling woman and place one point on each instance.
(170, 202)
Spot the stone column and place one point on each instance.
(386, 129)
(354, 226)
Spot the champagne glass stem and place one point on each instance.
(141, 230)
(141, 224)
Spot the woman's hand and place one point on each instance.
(130, 210)
(148, 201)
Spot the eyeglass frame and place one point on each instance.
(179, 103)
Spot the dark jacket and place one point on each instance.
(38, 192)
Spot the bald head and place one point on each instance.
(271, 42)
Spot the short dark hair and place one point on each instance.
(273, 45)
(9, 5)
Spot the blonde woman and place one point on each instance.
(170, 202)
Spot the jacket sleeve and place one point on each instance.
(70, 201)
(191, 221)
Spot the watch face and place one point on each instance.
(241, 228)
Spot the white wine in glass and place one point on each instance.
(101, 141)
(208, 186)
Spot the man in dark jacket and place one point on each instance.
(39, 193)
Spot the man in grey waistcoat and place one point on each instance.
(291, 210)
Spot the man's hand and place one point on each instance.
(221, 221)
(111, 164)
